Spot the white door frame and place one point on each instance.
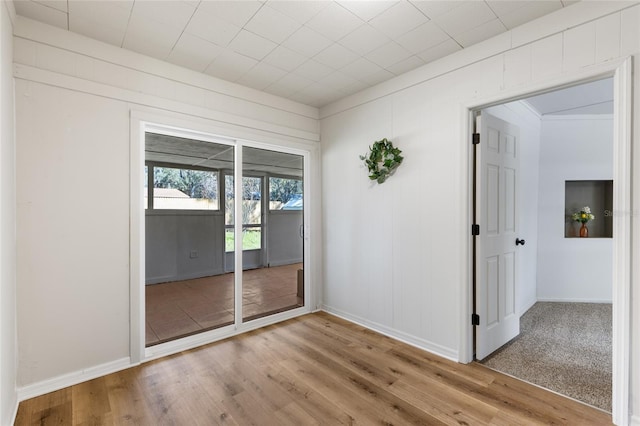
(621, 71)
(180, 125)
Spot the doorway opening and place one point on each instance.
(620, 258)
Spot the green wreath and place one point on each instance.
(383, 160)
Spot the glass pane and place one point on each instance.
(251, 239)
(251, 200)
(274, 284)
(285, 194)
(184, 189)
(189, 284)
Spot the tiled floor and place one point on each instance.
(181, 308)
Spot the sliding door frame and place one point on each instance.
(143, 122)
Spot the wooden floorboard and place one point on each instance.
(313, 370)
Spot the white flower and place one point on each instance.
(586, 209)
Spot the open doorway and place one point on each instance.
(545, 294)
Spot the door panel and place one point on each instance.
(497, 255)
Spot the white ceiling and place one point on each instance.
(190, 152)
(590, 98)
(313, 52)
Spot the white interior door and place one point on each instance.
(497, 255)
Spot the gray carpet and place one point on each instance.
(564, 347)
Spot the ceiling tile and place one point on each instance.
(102, 20)
(334, 22)
(389, 54)
(432, 8)
(172, 13)
(149, 37)
(42, 13)
(261, 76)
(399, 19)
(208, 27)
(193, 52)
(377, 77)
(480, 33)
(252, 45)
(340, 81)
(367, 10)
(467, 15)
(61, 5)
(336, 56)
(445, 48)
(230, 65)
(291, 82)
(313, 70)
(502, 7)
(237, 13)
(528, 12)
(272, 25)
(423, 37)
(408, 64)
(285, 59)
(361, 68)
(300, 11)
(307, 42)
(364, 39)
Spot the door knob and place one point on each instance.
(519, 242)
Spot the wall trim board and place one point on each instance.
(11, 8)
(73, 378)
(42, 33)
(572, 300)
(541, 28)
(11, 418)
(29, 73)
(425, 345)
(285, 262)
(191, 276)
(528, 306)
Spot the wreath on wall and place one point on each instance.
(382, 161)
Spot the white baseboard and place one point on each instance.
(73, 378)
(409, 339)
(284, 262)
(635, 421)
(528, 306)
(170, 278)
(551, 299)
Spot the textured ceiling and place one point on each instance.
(313, 52)
(589, 98)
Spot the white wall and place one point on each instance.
(573, 269)
(74, 98)
(394, 254)
(284, 244)
(529, 124)
(172, 236)
(8, 394)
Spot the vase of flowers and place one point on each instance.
(583, 216)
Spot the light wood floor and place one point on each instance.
(313, 370)
(182, 308)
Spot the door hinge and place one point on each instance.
(475, 229)
(475, 319)
(475, 140)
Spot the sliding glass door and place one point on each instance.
(192, 284)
